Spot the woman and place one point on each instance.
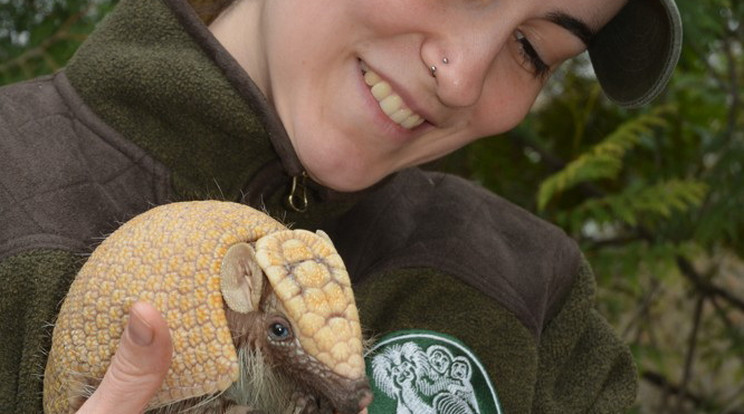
(315, 111)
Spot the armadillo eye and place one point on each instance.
(279, 331)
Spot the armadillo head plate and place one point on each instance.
(310, 280)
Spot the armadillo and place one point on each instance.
(262, 318)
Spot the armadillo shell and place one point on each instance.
(170, 257)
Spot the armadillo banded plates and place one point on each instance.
(169, 256)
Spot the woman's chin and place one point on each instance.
(343, 185)
(346, 181)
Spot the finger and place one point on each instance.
(138, 368)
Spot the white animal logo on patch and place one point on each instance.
(425, 381)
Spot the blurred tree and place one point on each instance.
(654, 195)
(38, 36)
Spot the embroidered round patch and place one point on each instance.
(426, 372)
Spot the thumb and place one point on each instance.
(138, 368)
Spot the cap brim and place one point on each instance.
(635, 54)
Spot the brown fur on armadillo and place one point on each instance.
(171, 257)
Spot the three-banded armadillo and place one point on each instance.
(293, 344)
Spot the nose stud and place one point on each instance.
(433, 68)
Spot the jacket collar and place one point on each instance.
(153, 71)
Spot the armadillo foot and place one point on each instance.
(307, 404)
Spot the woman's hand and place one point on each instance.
(138, 368)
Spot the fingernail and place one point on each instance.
(141, 333)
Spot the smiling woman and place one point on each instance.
(310, 59)
(318, 112)
(309, 69)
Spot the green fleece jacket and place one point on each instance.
(152, 110)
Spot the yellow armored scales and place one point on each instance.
(197, 262)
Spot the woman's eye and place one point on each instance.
(279, 331)
(530, 56)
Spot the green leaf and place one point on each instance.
(649, 203)
(604, 160)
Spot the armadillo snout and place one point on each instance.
(364, 396)
(352, 399)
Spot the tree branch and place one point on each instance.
(706, 287)
(661, 381)
(642, 310)
(690, 357)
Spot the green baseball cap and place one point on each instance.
(635, 54)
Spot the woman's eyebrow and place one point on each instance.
(573, 25)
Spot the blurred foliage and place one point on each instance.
(38, 36)
(653, 195)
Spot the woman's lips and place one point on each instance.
(390, 102)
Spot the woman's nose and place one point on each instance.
(461, 66)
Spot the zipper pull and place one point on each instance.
(297, 198)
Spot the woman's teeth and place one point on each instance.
(390, 102)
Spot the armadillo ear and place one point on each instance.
(241, 279)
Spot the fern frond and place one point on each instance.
(604, 160)
(585, 168)
(660, 200)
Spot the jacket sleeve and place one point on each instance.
(32, 287)
(583, 365)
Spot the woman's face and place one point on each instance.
(330, 67)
